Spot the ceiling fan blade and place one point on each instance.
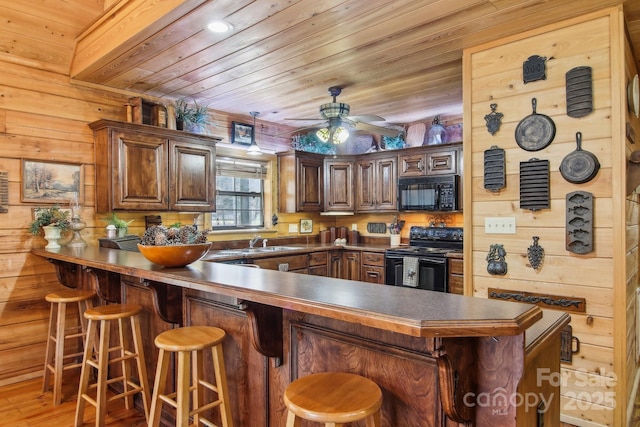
(309, 120)
(376, 129)
(366, 118)
(297, 130)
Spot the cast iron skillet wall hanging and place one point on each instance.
(579, 166)
(535, 131)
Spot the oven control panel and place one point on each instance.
(452, 234)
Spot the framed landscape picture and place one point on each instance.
(241, 133)
(51, 182)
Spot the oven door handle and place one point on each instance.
(434, 260)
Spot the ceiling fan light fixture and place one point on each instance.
(334, 109)
(340, 135)
(254, 149)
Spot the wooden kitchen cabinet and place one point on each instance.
(294, 263)
(148, 168)
(318, 264)
(300, 182)
(376, 183)
(372, 267)
(338, 185)
(335, 264)
(425, 161)
(456, 278)
(351, 265)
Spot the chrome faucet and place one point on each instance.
(254, 240)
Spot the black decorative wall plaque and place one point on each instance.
(534, 68)
(493, 119)
(494, 169)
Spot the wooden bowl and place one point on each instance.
(174, 255)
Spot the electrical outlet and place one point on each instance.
(354, 227)
(293, 228)
(500, 225)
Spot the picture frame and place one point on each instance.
(51, 182)
(242, 133)
(306, 226)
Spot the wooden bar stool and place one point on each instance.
(105, 314)
(190, 342)
(54, 361)
(333, 398)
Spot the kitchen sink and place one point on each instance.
(249, 251)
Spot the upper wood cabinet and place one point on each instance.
(148, 168)
(338, 185)
(377, 183)
(429, 161)
(300, 182)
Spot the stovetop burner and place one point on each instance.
(431, 241)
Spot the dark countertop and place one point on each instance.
(403, 310)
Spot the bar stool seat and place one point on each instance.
(55, 357)
(190, 342)
(101, 361)
(333, 398)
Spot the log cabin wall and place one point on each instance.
(599, 383)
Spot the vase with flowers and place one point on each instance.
(394, 229)
(53, 221)
(121, 225)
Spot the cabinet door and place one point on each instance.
(442, 162)
(365, 185)
(338, 185)
(413, 165)
(386, 184)
(309, 184)
(351, 265)
(373, 274)
(192, 184)
(140, 175)
(335, 264)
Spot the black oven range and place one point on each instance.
(423, 264)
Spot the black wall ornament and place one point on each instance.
(494, 169)
(496, 265)
(493, 119)
(535, 253)
(534, 68)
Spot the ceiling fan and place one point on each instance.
(337, 121)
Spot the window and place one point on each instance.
(239, 194)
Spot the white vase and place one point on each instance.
(52, 235)
(395, 240)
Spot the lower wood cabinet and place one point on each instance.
(456, 282)
(351, 265)
(294, 263)
(318, 264)
(335, 264)
(372, 267)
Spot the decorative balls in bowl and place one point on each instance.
(174, 246)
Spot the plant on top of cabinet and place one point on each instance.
(190, 118)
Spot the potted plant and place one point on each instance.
(190, 118)
(53, 221)
(121, 225)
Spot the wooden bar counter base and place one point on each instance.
(440, 359)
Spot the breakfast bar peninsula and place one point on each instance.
(440, 359)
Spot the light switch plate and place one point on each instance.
(293, 228)
(500, 225)
(354, 227)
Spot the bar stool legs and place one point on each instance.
(105, 314)
(55, 354)
(333, 398)
(189, 343)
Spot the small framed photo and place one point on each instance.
(241, 133)
(51, 182)
(306, 226)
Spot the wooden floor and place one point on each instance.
(25, 405)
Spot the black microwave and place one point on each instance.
(429, 193)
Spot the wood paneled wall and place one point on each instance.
(602, 373)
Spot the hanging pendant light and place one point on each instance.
(254, 149)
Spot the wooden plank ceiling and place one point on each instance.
(399, 59)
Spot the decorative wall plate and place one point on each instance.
(633, 96)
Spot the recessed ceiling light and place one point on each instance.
(219, 27)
